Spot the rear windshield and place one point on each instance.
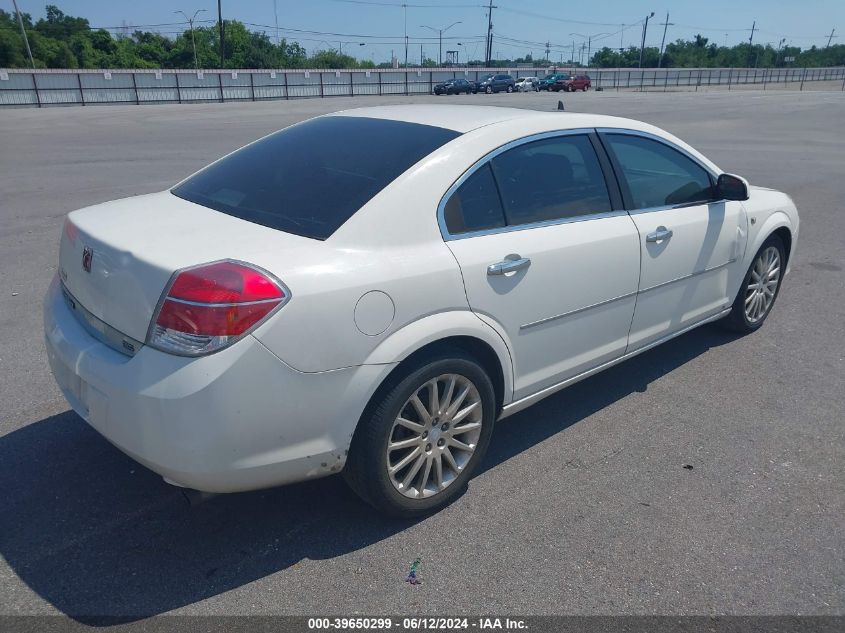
(311, 178)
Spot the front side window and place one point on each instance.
(657, 175)
(310, 178)
(551, 179)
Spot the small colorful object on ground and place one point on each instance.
(412, 575)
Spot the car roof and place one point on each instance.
(465, 118)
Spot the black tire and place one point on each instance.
(489, 90)
(366, 467)
(510, 89)
(737, 320)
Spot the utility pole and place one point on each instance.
(23, 32)
(421, 55)
(193, 41)
(832, 31)
(222, 34)
(276, 18)
(751, 41)
(572, 57)
(547, 51)
(642, 43)
(489, 52)
(666, 25)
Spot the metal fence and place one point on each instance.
(87, 87)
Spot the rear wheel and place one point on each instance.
(416, 448)
(510, 88)
(759, 289)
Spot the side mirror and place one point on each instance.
(731, 187)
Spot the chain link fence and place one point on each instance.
(87, 87)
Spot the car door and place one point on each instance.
(548, 256)
(690, 243)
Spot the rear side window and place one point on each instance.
(311, 178)
(551, 179)
(475, 205)
(657, 175)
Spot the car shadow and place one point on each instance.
(104, 540)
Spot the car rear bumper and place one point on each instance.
(240, 419)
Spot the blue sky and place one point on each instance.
(519, 25)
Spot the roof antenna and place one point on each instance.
(560, 105)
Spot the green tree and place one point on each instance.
(63, 41)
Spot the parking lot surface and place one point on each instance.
(706, 476)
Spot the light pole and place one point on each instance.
(440, 33)
(26, 39)
(589, 39)
(405, 9)
(642, 43)
(222, 33)
(193, 41)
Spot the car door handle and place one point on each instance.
(510, 264)
(662, 233)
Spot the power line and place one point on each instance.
(556, 19)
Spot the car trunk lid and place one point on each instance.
(117, 258)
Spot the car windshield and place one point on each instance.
(310, 178)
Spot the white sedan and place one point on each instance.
(369, 291)
(526, 84)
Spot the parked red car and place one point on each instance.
(573, 83)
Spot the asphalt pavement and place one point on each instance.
(706, 476)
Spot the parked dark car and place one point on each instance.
(548, 81)
(497, 83)
(571, 84)
(454, 87)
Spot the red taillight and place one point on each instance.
(210, 307)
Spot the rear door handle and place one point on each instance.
(510, 264)
(662, 233)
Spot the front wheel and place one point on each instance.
(510, 89)
(416, 448)
(489, 90)
(759, 289)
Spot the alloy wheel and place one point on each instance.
(762, 285)
(434, 436)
